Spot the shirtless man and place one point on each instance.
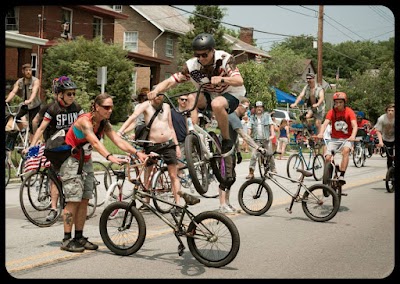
(163, 136)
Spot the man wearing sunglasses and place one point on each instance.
(224, 84)
(59, 114)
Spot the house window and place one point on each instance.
(131, 41)
(12, 19)
(97, 27)
(117, 8)
(34, 64)
(66, 23)
(169, 47)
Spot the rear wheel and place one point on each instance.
(217, 161)
(213, 239)
(389, 181)
(196, 165)
(321, 203)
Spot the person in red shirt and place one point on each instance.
(344, 130)
(361, 121)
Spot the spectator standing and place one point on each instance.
(245, 125)
(284, 137)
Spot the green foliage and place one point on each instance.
(79, 60)
(256, 81)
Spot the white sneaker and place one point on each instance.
(234, 209)
(226, 209)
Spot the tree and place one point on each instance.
(79, 60)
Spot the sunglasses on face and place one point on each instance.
(203, 55)
(245, 107)
(70, 94)
(107, 107)
(183, 100)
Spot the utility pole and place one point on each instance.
(320, 36)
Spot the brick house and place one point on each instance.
(47, 24)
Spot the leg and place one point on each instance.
(201, 103)
(219, 106)
(176, 185)
(345, 160)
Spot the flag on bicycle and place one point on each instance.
(35, 157)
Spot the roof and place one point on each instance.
(164, 17)
(242, 46)
(14, 39)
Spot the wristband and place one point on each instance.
(108, 156)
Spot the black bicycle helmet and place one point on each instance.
(67, 85)
(203, 42)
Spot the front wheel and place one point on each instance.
(318, 167)
(294, 162)
(320, 203)
(358, 156)
(255, 197)
(195, 163)
(389, 181)
(123, 235)
(35, 198)
(213, 239)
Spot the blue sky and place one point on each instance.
(274, 23)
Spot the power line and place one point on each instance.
(296, 12)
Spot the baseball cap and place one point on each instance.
(259, 103)
(310, 76)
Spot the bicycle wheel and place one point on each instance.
(213, 239)
(261, 165)
(162, 189)
(196, 165)
(7, 171)
(389, 181)
(255, 197)
(213, 184)
(130, 171)
(318, 167)
(358, 156)
(217, 161)
(123, 236)
(382, 152)
(35, 198)
(294, 162)
(92, 204)
(102, 179)
(319, 207)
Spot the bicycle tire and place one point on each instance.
(255, 197)
(217, 161)
(319, 207)
(127, 240)
(162, 189)
(7, 171)
(294, 162)
(132, 172)
(213, 239)
(261, 165)
(358, 156)
(390, 180)
(102, 179)
(213, 184)
(92, 203)
(328, 174)
(318, 167)
(35, 199)
(196, 164)
(382, 152)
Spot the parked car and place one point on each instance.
(283, 114)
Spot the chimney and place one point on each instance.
(246, 35)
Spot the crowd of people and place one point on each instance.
(224, 94)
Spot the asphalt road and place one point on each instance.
(357, 243)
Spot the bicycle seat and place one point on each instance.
(305, 173)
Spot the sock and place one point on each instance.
(78, 234)
(67, 236)
(342, 174)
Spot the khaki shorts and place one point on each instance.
(77, 186)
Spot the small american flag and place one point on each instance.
(34, 158)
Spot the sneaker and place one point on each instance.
(227, 145)
(250, 176)
(226, 209)
(86, 244)
(341, 180)
(52, 215)
(71, 245)
(234, 209)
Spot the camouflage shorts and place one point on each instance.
(75, 186)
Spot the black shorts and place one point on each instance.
(233, 102)
(168, 153)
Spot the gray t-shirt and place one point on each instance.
(386, 127)
(234, 123)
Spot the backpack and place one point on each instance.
(57, 150)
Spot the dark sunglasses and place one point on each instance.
(107, 107)
(204, 55)
(70, 94)
(184, 100)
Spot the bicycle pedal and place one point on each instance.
(344, 194)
